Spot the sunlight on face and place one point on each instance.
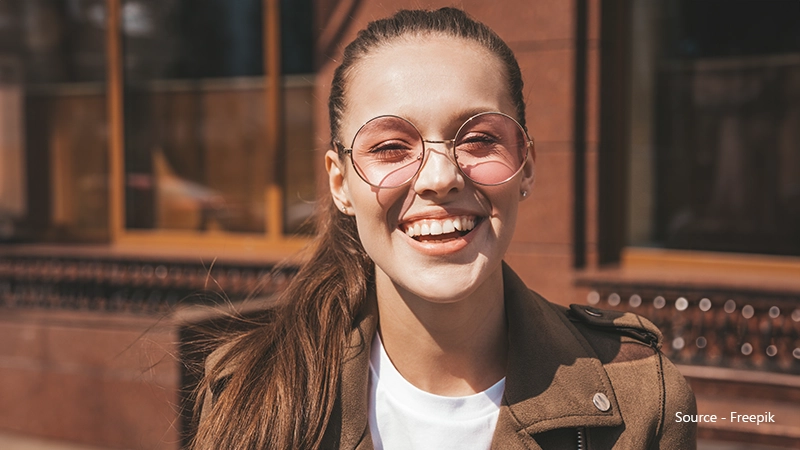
(440, 236)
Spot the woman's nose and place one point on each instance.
(439, 174)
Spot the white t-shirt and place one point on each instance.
(404, 417)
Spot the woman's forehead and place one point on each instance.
(428, 79)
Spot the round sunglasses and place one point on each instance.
(489, 148)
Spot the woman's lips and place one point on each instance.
(443, 243)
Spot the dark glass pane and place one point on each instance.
(195, 153)
(720, 28)
(725, 126)
(297, 40)
(53, 119)
(297, 62)
(61, 41)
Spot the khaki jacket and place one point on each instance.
(577, 378)
(559, 360)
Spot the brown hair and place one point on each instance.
(408, 23)
(287, 368)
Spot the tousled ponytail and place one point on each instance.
(281, 378)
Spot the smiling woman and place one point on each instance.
(405, 329)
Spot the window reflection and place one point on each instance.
(53, 119)
(195, 119)
(715, 126)
(196, 152)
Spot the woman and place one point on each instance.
(405, 329)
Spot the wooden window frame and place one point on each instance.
(613, 166)
(725, 264)
(273, 240)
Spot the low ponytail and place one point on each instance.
(281, 378)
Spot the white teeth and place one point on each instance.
(424, 229)
(435, 227)
(447, 226)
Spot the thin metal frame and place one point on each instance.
(454, 158)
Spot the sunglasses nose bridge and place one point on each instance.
(438, 170)
(449, 144)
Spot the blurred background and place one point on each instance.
(160, 156)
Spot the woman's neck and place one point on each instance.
(454, 348)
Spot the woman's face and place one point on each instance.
(436, 82)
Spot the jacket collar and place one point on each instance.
(553, 374)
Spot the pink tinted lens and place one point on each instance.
(387, 151)
(491, 148)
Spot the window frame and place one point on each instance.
(273, 240)
(613, 167)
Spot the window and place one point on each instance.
(53, 119)
(195, 141)
(714, 126)
(140, 119)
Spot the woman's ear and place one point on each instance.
(528, 173)
(337, 181)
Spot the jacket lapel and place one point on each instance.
(355, 382)
(553, 374)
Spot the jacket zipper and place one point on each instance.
(581, 445)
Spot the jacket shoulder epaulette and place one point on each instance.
(619, 322)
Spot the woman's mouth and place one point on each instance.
(439, 230)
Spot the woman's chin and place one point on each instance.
(441, 283)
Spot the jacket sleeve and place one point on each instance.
(678, 397)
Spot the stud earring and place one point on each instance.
(524, 194)
(344, 209)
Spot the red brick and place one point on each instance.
(548, 92)
(546, 216)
